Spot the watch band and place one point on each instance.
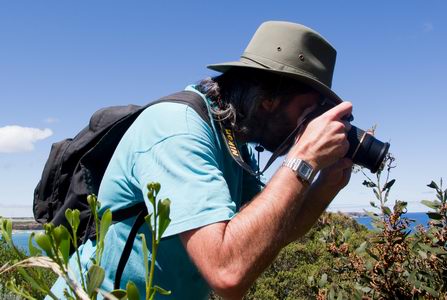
(302, 169)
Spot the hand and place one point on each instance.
(337, 175)
(324, 141)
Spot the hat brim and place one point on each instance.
(317, 85)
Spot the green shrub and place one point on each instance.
(9, 256)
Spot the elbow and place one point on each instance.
(229, 284)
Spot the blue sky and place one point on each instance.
(60, 61)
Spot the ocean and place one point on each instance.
(20, 238)
(420, 218)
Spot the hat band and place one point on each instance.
(270, 64)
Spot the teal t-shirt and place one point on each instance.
(171, 144)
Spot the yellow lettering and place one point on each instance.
(229, 134)
(231, 144)
(233, 148)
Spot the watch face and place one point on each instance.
(305, 170)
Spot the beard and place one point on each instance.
(271, 130)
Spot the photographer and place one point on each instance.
(225, 229)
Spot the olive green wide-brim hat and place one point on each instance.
(291, 50)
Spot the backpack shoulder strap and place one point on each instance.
(192, 99)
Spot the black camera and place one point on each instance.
(364, 149)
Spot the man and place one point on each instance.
(225, 230)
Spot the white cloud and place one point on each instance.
(15, 138)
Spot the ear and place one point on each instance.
(270, 104)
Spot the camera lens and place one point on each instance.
(365, 150)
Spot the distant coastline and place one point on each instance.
(25, 224)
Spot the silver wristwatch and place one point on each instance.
(301, 168)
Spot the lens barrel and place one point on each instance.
(365, 150)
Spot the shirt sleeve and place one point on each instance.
(187, 167)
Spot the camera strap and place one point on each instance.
(233, 148)
(231, 143)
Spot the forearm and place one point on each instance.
(252, 239)
(318, 198)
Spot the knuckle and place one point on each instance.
(339, 126)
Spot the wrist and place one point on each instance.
(302, 169)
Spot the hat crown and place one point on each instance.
(285, 46)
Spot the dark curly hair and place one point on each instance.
(237, 94)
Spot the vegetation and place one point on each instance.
(340, 259)
(337, 259)
(56, 241)
(8, 255)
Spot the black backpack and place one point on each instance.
(75, 168)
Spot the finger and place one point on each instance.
(347, 125)
(339, 111)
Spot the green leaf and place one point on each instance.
(376, 193)
(69, 216)
(19, 291)
(358, 295)
(433, 185)
(375, 257)
(60, 233)
(36, 283)
(33, 251)
(95, 277)
(386, 210)
(44, 242)
(148, 220)
(145, 256)
(323, 280)
(76, 218)
(7, 230)
(422, 254)
(431, 204)
(163, 215)
(400, 206)
(372, 215)
(161, 291)
(434, 216)
(369, 184)
(64, 242)
(152, 294)
(361, 248)
(430, 291)
(389, 184)
(132, 291)
(347, 234)
(106, 221)
(340, 295)
(332, 294)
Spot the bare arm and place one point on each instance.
(231, 255)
